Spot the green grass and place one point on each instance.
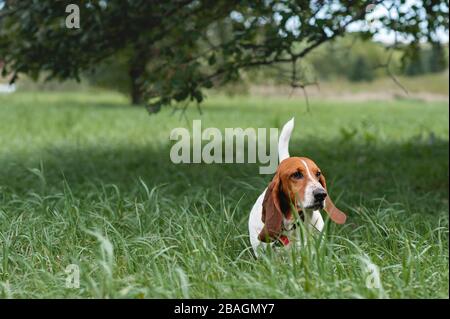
(431, 84)
(85, 179)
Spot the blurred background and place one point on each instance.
(349, 69)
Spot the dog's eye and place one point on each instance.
(318, 174)
(297, 175)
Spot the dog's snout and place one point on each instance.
(319, 194)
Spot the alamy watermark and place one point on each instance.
(225, 149)
(73, 18)
(73, 276)
(373, 278)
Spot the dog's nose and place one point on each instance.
(319, 194)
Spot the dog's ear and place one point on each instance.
(335, 214)
(272, 217)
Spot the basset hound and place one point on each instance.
(298, 184)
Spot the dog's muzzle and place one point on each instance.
(319, 195)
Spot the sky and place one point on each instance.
(385, 35)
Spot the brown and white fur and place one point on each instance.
(297, 184)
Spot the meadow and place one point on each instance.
(86, 180)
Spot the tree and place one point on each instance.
(360, 70)
(425, 59)
(412, 61)
(437, 61)
(174, 51)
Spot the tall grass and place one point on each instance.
(86, 180)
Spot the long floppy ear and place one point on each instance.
(272, 217)
(335, 214)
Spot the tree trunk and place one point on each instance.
(137, 92)
(136, 72)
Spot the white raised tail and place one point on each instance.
(283, 141)
(255, 223)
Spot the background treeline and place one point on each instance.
(347, 58)
(357, 60)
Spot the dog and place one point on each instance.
(298, 184)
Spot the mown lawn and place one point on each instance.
(86, 179)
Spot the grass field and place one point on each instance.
(85, 179)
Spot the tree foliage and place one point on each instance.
(175, 49)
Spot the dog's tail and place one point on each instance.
(283, 141)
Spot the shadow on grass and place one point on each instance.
(413, 173)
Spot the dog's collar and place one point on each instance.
(283, 240)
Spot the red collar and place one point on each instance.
(284, 240)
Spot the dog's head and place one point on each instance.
(300, 182)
